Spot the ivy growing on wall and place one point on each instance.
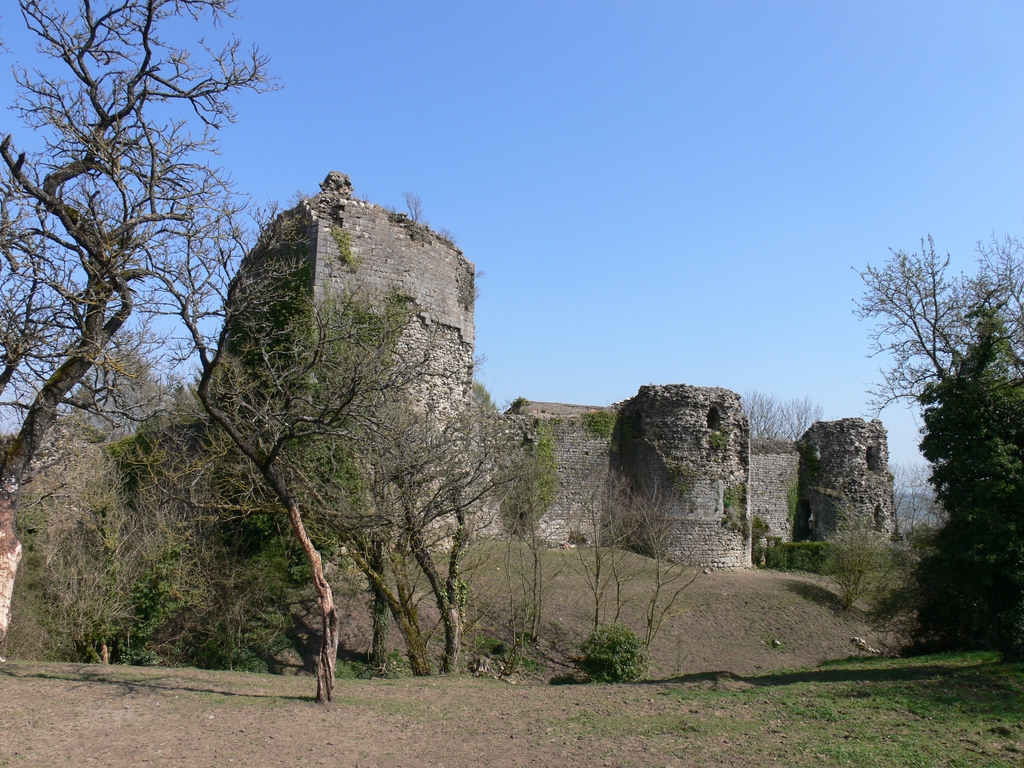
(734, 500)
(683, 476)
(544, 455)
(343, 241)
(600, 423)
(718, 439)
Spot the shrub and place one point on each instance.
(613, 654)
(859, 558)
(807, 556)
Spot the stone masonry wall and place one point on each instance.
(774, 467)
(362, 247)
(692, 444)
(844, 469)
(581, 460)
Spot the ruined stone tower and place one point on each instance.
(364, 248)
(692, 445)
(844, 471)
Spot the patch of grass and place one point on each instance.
(964, 709)
(955, 710)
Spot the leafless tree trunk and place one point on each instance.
(531, 492)
(380, 611)
(415, 206)
(428, 475)
(285, 376)
(652, 534)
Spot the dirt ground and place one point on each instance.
(748, 621)
(736, 624)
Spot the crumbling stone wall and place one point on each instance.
(362, 247)
(691, 445)
(844, 470)
(774, 484)
(581, 459)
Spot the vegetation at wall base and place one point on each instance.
(809, 556)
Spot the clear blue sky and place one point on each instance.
(657, 192)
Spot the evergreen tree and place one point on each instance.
(973, 579)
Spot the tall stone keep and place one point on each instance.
(364, 248)
(692, 446)
(844, 471)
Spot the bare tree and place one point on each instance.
(775, 419)
(415, 206)
(530, 495)
(427, 476)
(283, 373)
(653, 534)
(87, 221)
(603, 530)
(923, 315)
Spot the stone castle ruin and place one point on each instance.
(690, 445)
(362, 248)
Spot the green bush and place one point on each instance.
(810, 556)
(613, 654)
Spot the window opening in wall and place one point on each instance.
(873, 463)
(878, 517)
(714, 418)
(803, 526)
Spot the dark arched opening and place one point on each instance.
(873, 458)
(714, 418)
(803, 525)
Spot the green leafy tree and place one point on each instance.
(973, 579)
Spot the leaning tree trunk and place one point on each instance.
(402, 606)
(329, 614)
(409, 625)
(380, 617)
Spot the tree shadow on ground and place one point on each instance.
(981, 685)
(817, 594)
(167, 682)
